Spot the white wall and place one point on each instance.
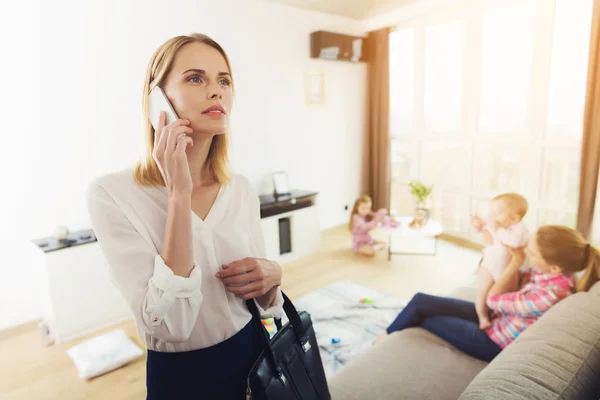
(77, 79)
(97, 51)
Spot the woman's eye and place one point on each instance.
(195, 79)
(225, 82)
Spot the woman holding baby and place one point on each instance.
(516, 299)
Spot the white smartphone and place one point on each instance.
(157, 101)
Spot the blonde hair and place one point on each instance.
(146, 172)
(515, 202)
(566, 248)
(361, 200)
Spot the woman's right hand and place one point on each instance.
(518, 256)
(170, 144)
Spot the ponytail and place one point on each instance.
(591, 272)
(569, 250)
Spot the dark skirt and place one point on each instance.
(216, 372)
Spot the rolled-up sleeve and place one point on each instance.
(165, 306)
(259, 250)
(276, 309)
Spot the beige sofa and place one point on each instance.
(556, 358)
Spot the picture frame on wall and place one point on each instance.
(315, 87)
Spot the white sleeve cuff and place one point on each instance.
(165, 280)
(276, 310)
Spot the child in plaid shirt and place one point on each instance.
(555, 254)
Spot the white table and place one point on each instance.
(432, 229)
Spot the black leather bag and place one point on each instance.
(290, 366)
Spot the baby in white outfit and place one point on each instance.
(505, 227)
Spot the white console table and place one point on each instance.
(290, 226)
(77, 296)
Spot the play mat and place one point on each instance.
(347, 317)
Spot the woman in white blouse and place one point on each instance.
(182, 236)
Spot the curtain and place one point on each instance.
(377, 177)
(590, 149)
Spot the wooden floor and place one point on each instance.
(29, 370)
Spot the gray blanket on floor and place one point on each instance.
(345, 326)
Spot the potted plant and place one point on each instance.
(421, 194)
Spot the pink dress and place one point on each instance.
(361, 229)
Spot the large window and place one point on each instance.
(402, 61)
(444, 59)
(490, 99)
(506, 57)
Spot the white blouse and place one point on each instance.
(173, 313)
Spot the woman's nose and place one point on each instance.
(215, 91)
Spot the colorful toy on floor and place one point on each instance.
(335, 340)
(365, 300)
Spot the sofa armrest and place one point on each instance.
(558, 357)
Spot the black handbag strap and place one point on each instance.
(293, 317)
(278, 323)
(290, 312)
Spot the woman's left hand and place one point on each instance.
(250, 277)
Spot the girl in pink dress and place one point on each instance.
(362, 221)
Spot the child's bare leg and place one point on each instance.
(482, 310)
(366, 250)
(486, 281)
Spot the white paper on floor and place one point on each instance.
(344, 326)
(103, 353)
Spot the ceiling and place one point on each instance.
(357, 9)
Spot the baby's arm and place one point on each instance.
(478, 224)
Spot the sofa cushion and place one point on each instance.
(558, 357)
(412, 364)
(596, 289)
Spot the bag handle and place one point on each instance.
(290, 312)
(293, 317)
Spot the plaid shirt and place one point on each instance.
(513, 312)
